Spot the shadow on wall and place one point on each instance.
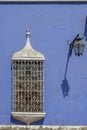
(85, 29)
(40, 122)
(14, 121)
(65, 85)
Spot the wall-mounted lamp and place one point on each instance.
(77, 46)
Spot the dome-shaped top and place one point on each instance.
(28, 53)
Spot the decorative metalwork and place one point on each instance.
(77, 46)
(27, 86)
(27, 79)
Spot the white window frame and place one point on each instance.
(27, 54)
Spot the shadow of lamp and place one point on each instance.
(78, 47)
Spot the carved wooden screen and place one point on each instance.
(27, 91)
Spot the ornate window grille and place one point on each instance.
(27, 83)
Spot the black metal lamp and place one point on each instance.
(77, 46)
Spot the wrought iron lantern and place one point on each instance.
(77, 46)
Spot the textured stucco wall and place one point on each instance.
(51, 26)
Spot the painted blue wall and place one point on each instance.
(51, 26)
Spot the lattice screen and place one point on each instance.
(27, 95)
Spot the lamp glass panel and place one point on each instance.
(78, 49)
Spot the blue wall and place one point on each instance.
(51, 26)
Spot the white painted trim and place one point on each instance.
(46, 126)
(28, 52)
(28, 117)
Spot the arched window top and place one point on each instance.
(28, 52)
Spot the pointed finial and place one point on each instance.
(27, 33)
